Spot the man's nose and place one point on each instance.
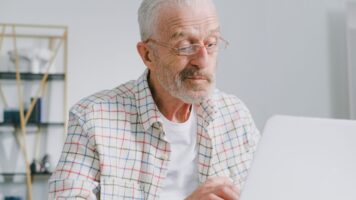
(200, 59)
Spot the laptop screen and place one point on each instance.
(304, 158)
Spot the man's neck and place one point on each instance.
(171, 107)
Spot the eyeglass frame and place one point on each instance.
(176, 50)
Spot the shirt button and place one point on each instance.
(163, 157)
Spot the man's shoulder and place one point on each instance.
(124, 93)
(222, 99)
(229, 104)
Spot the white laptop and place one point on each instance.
(304, 159)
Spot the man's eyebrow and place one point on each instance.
(177, 35)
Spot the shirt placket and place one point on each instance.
(205, 147)
(161, 151)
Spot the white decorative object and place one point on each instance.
(37, 59)
(351, 42)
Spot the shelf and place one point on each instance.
(42, 124)
(31, 76)
(23, 174)
(19, 177)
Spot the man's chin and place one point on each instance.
(195, 97)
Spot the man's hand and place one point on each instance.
(217, 188)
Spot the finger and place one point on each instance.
(235, 189)
(227, 193)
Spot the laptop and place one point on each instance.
(301, 158)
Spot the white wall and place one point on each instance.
(285, 56)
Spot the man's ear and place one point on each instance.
(145, 53)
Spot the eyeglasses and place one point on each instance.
(188, 50)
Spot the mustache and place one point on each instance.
(193, 71)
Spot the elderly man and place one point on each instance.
(168, 135)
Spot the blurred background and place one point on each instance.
(294, 57)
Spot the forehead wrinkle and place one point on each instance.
(175, 19)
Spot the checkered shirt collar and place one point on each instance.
(149, 112)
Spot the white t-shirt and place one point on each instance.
(182, 176)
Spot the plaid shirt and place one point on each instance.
(116, 147)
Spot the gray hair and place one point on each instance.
(149, 11)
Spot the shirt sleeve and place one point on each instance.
(77, 173)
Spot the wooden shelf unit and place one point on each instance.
(56, 42)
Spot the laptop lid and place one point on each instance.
(304, 158)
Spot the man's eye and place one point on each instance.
(185, 49)
(211, 45)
